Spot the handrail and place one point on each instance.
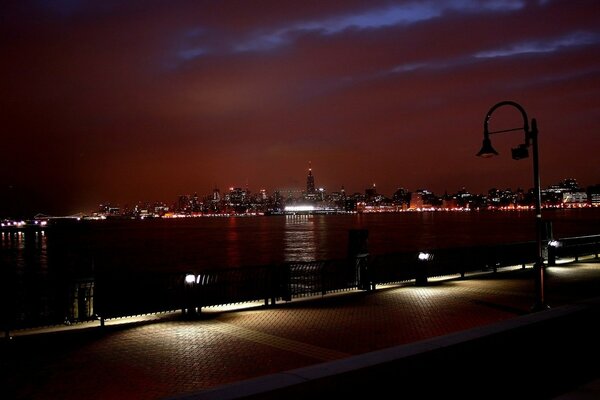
(113, 294)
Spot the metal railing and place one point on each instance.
(573, 247)
(114, 294)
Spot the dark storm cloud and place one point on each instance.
(126, 101)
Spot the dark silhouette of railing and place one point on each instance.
(402, 267)
(118, 295)
(114, 294)
(232, 285)
(573, 247)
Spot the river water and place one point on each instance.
(48, 275)
(194, 244)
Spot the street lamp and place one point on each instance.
(519, 152)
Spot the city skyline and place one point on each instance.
(237, 200)
(128, 101)
(306, 191)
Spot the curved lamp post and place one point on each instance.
(519, 152)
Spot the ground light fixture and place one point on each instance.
(190, 279)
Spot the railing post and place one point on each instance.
(363, 272)
(284, 282)
(422, 264)
(421, 279)
(323, 281)
(358, 252)
(551, 255)
(271, 286)
(189, 283)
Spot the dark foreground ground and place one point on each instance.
(472, 337)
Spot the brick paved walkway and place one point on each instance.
(171, 355)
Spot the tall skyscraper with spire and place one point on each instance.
(310, 181)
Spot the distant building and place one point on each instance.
(449, 203)
(237, 196)
(371, 193)
(311, 193)
(401, 197)
(569, 198)
(416, 201)
(422, 198)
(109, 210)
(216, 195)
(310, 181)
(567, 192)
(594, 195)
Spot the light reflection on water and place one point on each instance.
(37, 267)
(233, 242)
(299, 241)
(24, 248)
(211, 243)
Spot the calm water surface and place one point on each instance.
(206, 243)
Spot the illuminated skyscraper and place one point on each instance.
(371, 193)
(216, 197)
(310, 181)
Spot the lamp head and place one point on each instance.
(520, 152)
(487, 150)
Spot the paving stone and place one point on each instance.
(167, 355)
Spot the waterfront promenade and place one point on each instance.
(484, 319)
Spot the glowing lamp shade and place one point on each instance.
(487, 150)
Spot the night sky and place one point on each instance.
(117, 101)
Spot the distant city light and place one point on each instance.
(303, 208)
(242, 202)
